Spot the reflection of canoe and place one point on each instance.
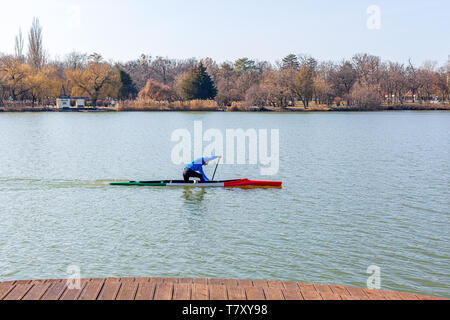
(239, 183)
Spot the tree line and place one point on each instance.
(364, 81)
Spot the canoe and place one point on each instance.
(238, 183)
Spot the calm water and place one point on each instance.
(360, 189)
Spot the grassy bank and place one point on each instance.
(153, 105)
(36, 108)
(400, 107)
(211, 106)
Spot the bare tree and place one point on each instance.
(210, 66)
(342, 80)
(364, 97)
(323, 83)
(367, 68)
(19, 44)
(139, 70)
(76, 60)
(36, 55)
(413, 79)
(162, 70)
(425, 78)
(226, 81)
(95, 58)
(393, 81)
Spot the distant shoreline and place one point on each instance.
(405, 107)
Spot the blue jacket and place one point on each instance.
(197, 166)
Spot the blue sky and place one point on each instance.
(227, 30)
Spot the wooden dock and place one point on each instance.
(190, 289)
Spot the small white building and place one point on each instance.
(80, 102)
(63, 102)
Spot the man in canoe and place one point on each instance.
(195, 169)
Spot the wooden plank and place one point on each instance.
(245, 283)
(374, 294)
(164, 291)
(427, 297)
(55, 291)
(127, 291)
(340, 290)
(236, 293)
(18, 292)
(391, 295)
(230, 282)
(146, 291)
(37, 291)
(124, 280)
(345, 297)
(255, 293)
(5, 288)
(201, 281)
(292, 294)
(73, 294)
(181, 291)
(200, 292)
(91, 290)
(323, 288)
(218, 292)
(273, 293)
(309, 293)
(171, 280)
(308, 286)
(275, 284)
(186, 280)
(109, 290)
(291, 285)
(23, 281)
(330, 296)
(408, 296)
(156, 280)
(357, 292)
(141, 279)
(38, 281)
(216, 282)
(260, 283)
(54, 280)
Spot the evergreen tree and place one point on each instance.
(127, 88)
(244, 65)
(198, 84)
(290, 62)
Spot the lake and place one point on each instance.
(360, 190)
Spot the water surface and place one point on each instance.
(360, 189)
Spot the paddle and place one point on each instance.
(214, 175)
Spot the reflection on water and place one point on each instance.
(193, 198)
(194, 195)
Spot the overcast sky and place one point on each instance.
(227, 30)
